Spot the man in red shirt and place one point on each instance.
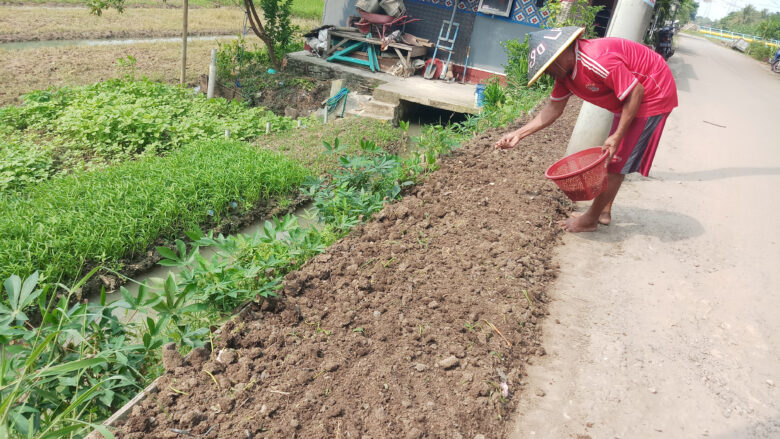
(622, 76)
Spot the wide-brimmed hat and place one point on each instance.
(546, 45)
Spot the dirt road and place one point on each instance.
(665, 324)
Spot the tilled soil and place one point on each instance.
(407, 328)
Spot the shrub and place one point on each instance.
(760, 51)
(494, 94)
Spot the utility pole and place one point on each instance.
(185, 8)
(629, 20)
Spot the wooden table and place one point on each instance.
(345, 37)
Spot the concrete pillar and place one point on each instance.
(629, 20)
(212, 84)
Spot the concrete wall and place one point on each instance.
(337, 11)
(486, 51)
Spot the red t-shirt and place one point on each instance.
(607, 69)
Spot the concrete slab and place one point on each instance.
(434, 93)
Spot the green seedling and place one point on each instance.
(527, 298)
(213, 379)
(472, 327)
(318, 329)
(365, 264)
(177, 390)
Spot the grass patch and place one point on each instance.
(311, 9)
(103, 216)
(299, 145)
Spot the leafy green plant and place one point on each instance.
(23, 163)
(63, 376)
(360, 187)
(100, 217)
(117, 120)
(126, 67)
(20, 297)
(494, 95)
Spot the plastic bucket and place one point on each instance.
(479, 95)
(582, 175)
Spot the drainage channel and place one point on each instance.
(22, 45)
(305, 215)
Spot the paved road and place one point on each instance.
(669, 319)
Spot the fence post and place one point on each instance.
(212, 74)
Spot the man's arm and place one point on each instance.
(630, 107)
(549, 113)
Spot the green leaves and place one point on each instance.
(114, 121)
(19, 296)
(117, 212)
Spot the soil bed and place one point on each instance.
(38, 24)
(394, 331)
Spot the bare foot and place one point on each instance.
(605, 218)
(578, 224)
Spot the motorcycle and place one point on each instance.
(663, 41)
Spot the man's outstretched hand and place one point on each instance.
(509, 140)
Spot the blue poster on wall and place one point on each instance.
(523, 11)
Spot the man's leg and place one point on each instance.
(588, 221)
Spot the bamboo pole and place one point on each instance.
(185, 8)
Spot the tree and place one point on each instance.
(277, 31)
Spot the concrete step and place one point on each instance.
(383, 95)
(362, 113)
(378, 108)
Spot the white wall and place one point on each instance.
(486, 51)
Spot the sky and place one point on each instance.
(717, 9)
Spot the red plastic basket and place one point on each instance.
(582, 175)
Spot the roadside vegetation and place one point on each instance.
(750, 21)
